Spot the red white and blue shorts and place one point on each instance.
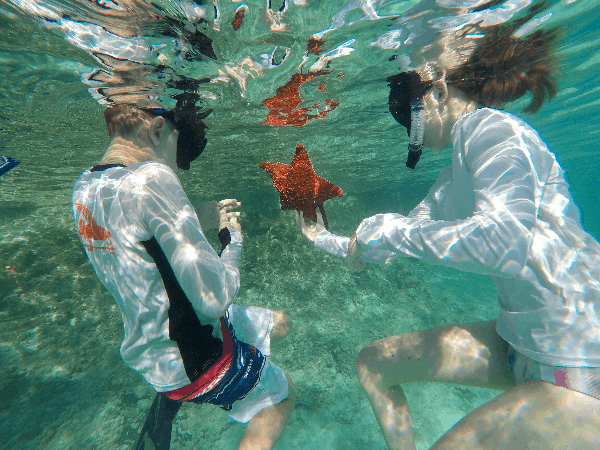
(244, 380)
(581, 379)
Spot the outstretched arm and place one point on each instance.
(496, 238)
(324, 240)
(331, 243)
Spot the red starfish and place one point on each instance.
(238, 18)
(299, 186)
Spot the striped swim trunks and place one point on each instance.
(242, 382)
(240, 378)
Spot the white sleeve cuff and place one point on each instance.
(332, 243)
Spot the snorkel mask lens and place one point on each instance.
(406, 106)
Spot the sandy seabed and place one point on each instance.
(64, 386)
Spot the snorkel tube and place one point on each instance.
(417, 129)
(407, 107)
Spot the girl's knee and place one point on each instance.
(392, 361)
(365, 364)
(282, 325)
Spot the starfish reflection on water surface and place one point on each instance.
(283, 107)
(299, 187)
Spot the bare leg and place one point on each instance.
(282, 326)
(264, 428)
(470, 354)
(534, 415)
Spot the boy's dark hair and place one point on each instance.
(187, 118)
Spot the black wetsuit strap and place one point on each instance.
(101, 167)
(198, 347)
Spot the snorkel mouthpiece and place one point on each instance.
(417, 128)
(414, 153)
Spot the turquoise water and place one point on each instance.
(63, 384)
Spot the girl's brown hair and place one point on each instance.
(502, 68)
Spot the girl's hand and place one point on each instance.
(310, 230)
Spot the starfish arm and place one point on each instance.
(324, 190)
(278, 173)
(310, 213)
(301, 162)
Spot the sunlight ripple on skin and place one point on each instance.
(409, 346)
(395, 419)
(461, 352)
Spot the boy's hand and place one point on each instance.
(216, 214)
(228, 218)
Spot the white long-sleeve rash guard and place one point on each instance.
(503, 208)
(118, 209)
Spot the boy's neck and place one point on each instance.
(122, 151)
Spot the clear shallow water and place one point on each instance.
(62, 382)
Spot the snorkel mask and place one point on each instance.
(187, 119)
(406, 105)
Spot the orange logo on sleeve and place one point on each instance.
(92, 231)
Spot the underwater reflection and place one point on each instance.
(150, 51)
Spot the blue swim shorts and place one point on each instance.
(252, 382)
